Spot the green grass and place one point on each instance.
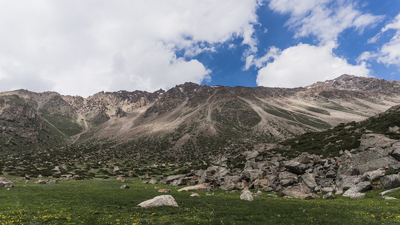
(68, 126)
(297, 117)
(100, 201)
(316, 110)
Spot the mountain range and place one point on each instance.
(188, 120)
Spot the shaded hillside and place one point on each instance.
(345, 136)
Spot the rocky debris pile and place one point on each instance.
(6, 183)
(162, 200)
(352, 174)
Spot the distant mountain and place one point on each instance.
(188, 120)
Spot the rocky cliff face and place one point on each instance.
(190, 117)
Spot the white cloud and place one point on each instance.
(389, 53)
(325, 19)
(82, 47)
(304, 64)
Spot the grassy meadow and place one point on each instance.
(101, 201)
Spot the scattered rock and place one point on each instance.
(153, 181)
(199, 187)
(329, 196)
(246, 195)
(271, 196)
(164, 190)
(125, 187)
(6, 183)
(162, 200)
(194, 195)
(309, 196)
(389, 191)
(388, 198)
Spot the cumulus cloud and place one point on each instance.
(389, 53)
(83, 47)
(325, 19)
(304, 64)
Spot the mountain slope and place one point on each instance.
(189, 119)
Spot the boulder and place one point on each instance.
(41, 182)
(230, 182)
(391, 181)
(375, 141)
(153, 181)
(361, 187)
(326, 190)
(309, 196)
(388, 198)
(53, 181)
(162, 200)
(295, 191)
(76, 177)
(287, 178)
(121, 179)
(172, 178)
(357, 164)
(125, 187)
(252, 155)
(346, 182)
(356, 195)
(325, 182)
(372, 175)
(6, 183)
(329, 196)
(116, 169)
(246, 195)
(396, 152)
(179, 182)
(261, 184)
(295, 167)
(309, 180)
(389, 191)
(252, 174)
(198, 187)
(194, 195)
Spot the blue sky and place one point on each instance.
(83, 47)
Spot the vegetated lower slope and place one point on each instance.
(345, 136)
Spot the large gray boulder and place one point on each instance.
(295, 166)
(230, 182)
(309, 180)
(376, 141)
(346, 182)
(358, 164)
(252, 174)
(372, 175)
(162, 200)
(391, 181)
(287, 178)
(361, 187)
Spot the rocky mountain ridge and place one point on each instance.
(190, 117)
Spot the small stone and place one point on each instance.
(194, 195)
(388, 198)
(164, 190)
(125, 187)
(329, 196)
